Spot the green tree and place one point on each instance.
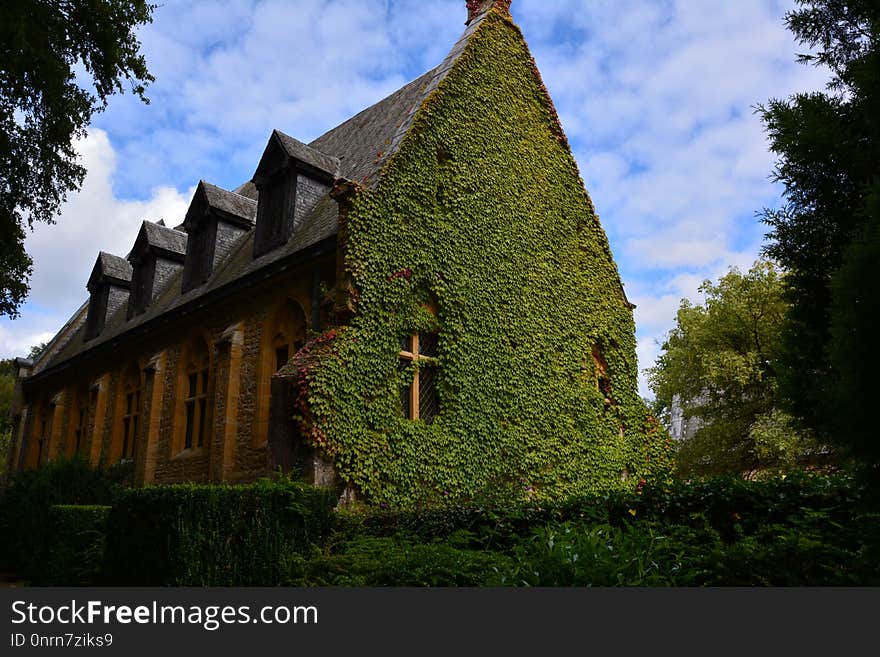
(718, 365)
(825, 234)
(43, 109)
(7, 386)
(855, 316)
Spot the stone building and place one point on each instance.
(419, 302)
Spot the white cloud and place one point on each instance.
(64, 253)
(15, 343)
(223, 83)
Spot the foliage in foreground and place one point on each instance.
(26, 514)
(800, 530)
(787, 531)
(214, 535)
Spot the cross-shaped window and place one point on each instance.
(418, 358)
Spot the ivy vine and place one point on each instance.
(482, 215)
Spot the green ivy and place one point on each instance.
(482, 213)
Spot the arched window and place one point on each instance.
(80, 411)
(419, 399)
(131, 403)
(289, 334)
(38, 450)
(194, 417)
(284, 333)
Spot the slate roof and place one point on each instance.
(355, 150)
(217, 198)
(307, 154)
(240, 206)
(112, 266)
(164, 238)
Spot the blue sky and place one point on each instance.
(656, 96)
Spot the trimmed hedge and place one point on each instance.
(795, 530)
(800, 530)
(27, 499)
(214, 535)
(396, 562)
(729, 505)
(74, 550)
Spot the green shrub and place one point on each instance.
(801, 529)
(214, 535)
(726, 503)
(810, 550)
(26, 501)
(400, 562)
(645, 554)
(74, 550)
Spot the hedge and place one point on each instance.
(74, 550)
(214, 535)
(26, 503)
(728, 504)
(800, 530)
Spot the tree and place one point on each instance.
(43, 109)
(855, 316)
(828, 148)
(7, 386)
(719, 365)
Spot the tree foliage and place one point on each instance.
(7, 386)
(718, 365)
(45, 45)
(825, 234)
(855, 317)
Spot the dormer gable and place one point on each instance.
(291, 178)
(108, 288)
(215, 220)
(157, 255)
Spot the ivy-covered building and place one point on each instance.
(419, 305)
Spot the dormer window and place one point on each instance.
(97, 311)
(290, 178)
(215, 220)
(277, 197)
(108, 290)
(144, 273)
(157, 255)
(200, 254)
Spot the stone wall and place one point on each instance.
(235, 446)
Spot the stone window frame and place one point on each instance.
(81, 411)
(41, 434)
(127, 418)
(193, 428)
(131, 405)
(278, 332)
